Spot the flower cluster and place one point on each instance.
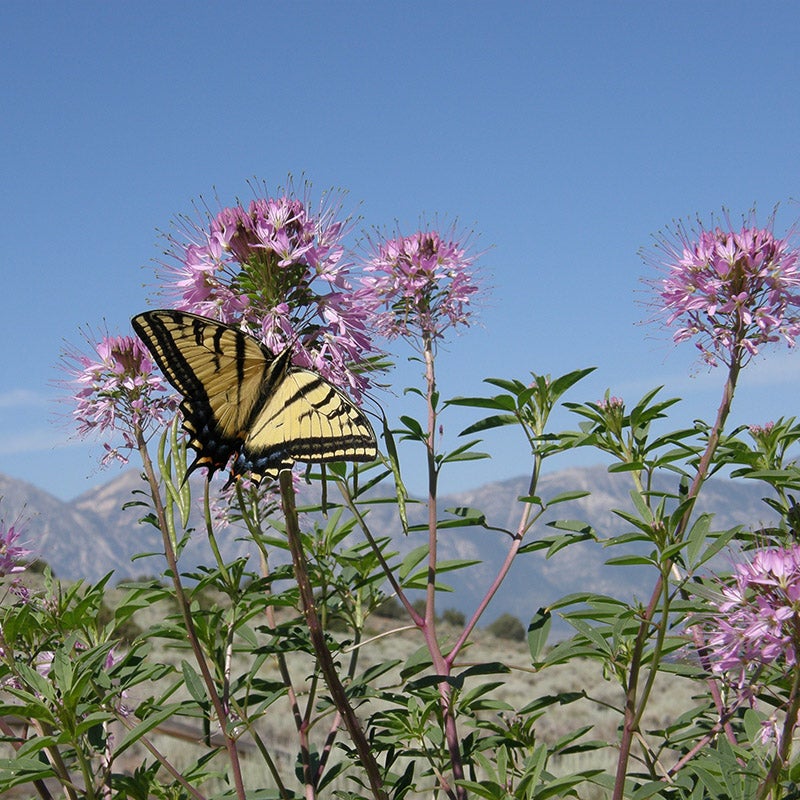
(758, 621)
(278, 270)
(422, 284)
(759, 432)
(116, 389)
(730, 290)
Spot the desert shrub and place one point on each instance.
(507, 626)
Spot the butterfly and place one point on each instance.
(244, 406)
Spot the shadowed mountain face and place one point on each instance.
(95, 534)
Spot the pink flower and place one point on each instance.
(116, 390)
(277, 269)
(758, 621)
(731, 290)
(421, 284)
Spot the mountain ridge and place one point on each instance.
(94, 533)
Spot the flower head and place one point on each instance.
(731, 290)
(421, 284)
(116, 389)
(758, 619)
(276, 268)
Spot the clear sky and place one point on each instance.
(566, 133)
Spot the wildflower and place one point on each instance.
(758, 621)
(11, 551)
(278, 270)
(731, 290)
(421, 284)
(116, 389)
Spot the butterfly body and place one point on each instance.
(246, 407)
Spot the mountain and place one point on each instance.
(100, 531)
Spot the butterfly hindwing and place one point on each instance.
(308, 419)
(240, 400)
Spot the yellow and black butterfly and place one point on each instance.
(241, 402)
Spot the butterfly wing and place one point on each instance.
(306, 418)
(240, 400)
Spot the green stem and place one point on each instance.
(253, 523)
(212, 539)
(180, 596)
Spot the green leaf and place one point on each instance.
(194, 683)
(565, 497)
(513, 387)
(641, 506)
(575, 525)
(560, 385)
(721, 541)
(465, 453)
(538, 631)
(488, 668)
(145, 726)
(487, 789)
(412, 560)
(394, 463)
(416, 662)
(20, 770)
(413, 427)
(452, 564)
(752, 725)
(496, 421)
(626, 466)
(501, 402)
(472, 515)
(630, 561)
(696, 538)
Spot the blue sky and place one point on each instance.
(565, 133)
